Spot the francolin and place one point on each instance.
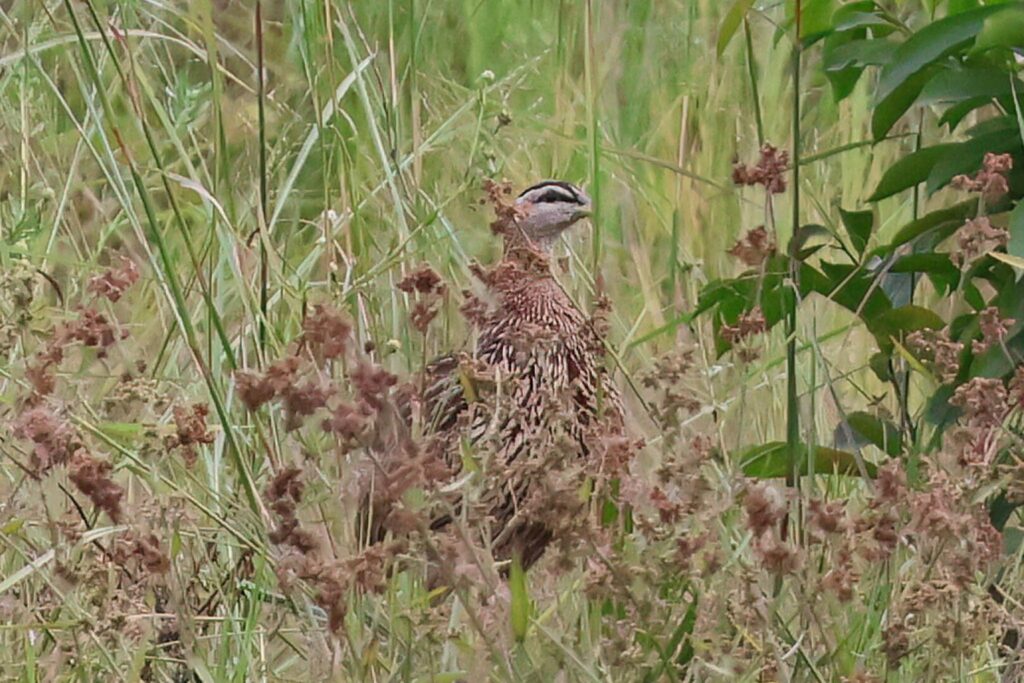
(525, 403)
(546, 384)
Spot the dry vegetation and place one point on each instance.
(219, 291)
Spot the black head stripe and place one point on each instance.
(555, 195)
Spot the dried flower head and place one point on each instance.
(92, 477)
(326, 331)
(146, 548)
(255, 389)
(53, 439)
(984, 402)
(671, 376)
(349, 421)
(505, 212)
(754, 248)
(284, 493)
(842, 577)
(778, 556)
(976, 238)
(990, 181)
(302, 399)
(430, 288)
(688, 546)
(935, 348)
(190, 430)
(896, 643)
(373, 383)
(890, 483)
(473, 309)
(40, 371)
(113, 283)
(92, 329)
(770, 170)
(994, 329)
(749, 323)
(423, 313)
(423, 280)
(765, 506)
(826, 518)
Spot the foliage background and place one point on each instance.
(142, 129)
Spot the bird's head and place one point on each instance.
(546, 209)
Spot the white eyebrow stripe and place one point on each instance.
(568, 196)
(538, 195)
(571, 192)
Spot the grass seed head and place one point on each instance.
(114, 281)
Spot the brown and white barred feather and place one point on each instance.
(550, 387)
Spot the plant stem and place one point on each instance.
(908, 423)
(593, 134)
(792, 408)
(260, 99)
(752, 72)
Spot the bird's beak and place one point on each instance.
(585, 210)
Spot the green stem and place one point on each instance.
(260, 100)
(593, 135)
(908, 423)
(167, 265)
(792, 408)
(752, 72)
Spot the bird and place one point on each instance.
(546, 355)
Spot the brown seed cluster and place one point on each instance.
(766, 507)
(43, 422)
(190, 430)
(284, 493)
(53, 439)
(750, 323)
(935, 348)
(976, 238)
(17, 293)
(953, 537)
(504, 211)
(372, 383)
(754, 248)
(983, 400)
(473, 309)
(672, 379)
(148, 551)
(113, 282)
(42, 368)
(990, 181)
(91, 329)
(92, 477)
(430, 290)
(326, 332)
(423, 280)
(769, 171)
(300, 397)
(305, 558)
(994, 329)
(349, 421)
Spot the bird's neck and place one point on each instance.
(529, 256)
(517, 239)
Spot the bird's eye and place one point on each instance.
(552, 196)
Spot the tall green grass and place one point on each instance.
(146, 128)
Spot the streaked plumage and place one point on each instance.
(546, 358)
